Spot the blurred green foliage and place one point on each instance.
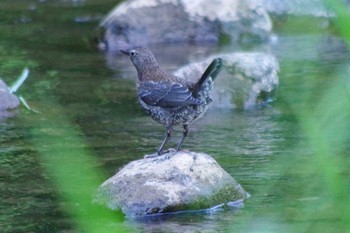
(72, 169)
(324, 118)
(14, 60)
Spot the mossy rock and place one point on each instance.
(169, 183)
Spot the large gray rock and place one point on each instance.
(246, 80)
(141, 22)
(7, 99)
(315, 8)
(169, 183)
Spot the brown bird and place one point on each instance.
(168, 99)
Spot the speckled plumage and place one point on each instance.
(168, 99)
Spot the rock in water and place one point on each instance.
(7, 99)
(169, 183)
(314, 8)
(246, 80)
(141, 22)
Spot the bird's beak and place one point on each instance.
(126, 52)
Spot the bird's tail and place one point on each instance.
(212, 71)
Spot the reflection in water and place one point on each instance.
(218, 220)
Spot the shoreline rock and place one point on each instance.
(144, 22)
(173, 182)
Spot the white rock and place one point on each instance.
(144, 22)
(7, 99)
(245, 77)
(168, 183)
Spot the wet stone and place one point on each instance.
(144, 22)
(247, 79)
(7, 99)
(176, 181)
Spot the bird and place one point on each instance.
(168, 99)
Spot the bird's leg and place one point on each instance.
(185, 133)
(166, 139)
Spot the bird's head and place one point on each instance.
(141, 57)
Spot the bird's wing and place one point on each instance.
(166, 94)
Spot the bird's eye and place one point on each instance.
(132, 53)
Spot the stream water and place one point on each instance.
(264, 149)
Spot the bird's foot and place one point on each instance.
(167, 153)
(150, 155)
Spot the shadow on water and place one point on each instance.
(88, 105)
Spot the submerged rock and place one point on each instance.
(169, 183)
(141, 22)
(246, 80)
(7, 99)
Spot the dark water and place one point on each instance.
(87, 102)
